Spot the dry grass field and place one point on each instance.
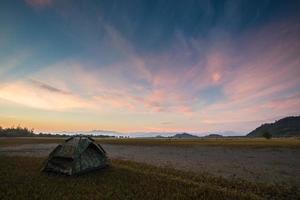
(231, 142)
(20, 176)
(14, 141)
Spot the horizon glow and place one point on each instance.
(148, 66)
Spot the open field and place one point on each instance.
(14, 141)
(230, 142)
(268, 163)
(159, 169)
(21, 179)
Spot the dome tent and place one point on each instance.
(77, 155)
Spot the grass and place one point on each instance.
(20, 178)
(13, 141)
(230, 142)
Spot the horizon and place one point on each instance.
(143, 134)
(148, 66)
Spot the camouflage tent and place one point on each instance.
(78, 154)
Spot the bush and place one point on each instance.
(267, 135)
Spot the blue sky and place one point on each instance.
(135, 65)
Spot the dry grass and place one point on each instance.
(230, 142)
(12, 141)
(20, 178)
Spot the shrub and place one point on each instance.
(267, 135)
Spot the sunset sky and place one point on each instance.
(197, 66)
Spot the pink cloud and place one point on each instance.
(260, 82)
(247, 81)
(39, 3)
(114, 101)
(285, 105)
(165, 101)
(30, 94)
(255, 81)
(118, 93)
(261, 75)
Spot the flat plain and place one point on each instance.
(231, 168)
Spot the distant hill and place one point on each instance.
(213, 136)
(286, 127)
(184, 135)
(159, 136)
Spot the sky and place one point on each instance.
(150, 66)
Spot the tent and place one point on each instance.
(78, 154)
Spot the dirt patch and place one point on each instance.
(262, 164)
(32, 150)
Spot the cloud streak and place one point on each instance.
(41, 96)
(39, 3)
(219, 77)
(47, 87)
(155, 84)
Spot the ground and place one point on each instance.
(185, 169)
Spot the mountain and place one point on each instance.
(229, 133)
(213, 136)
(102, 132)
(184, 135)
(286, 127)
(94, 133)
(222, 133)
(159, 136)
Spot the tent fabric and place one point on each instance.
(77, 155)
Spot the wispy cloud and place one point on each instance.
(40, 96)
(197, 81)
(157, 84)
(11, 63)
(39, 3)
(265, 79)
(48, 87)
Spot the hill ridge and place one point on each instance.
(285, 127)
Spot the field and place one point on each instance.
(21, 179)
(130, 178)
(230, 142)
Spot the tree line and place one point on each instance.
(26, 132)
(16, 132)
